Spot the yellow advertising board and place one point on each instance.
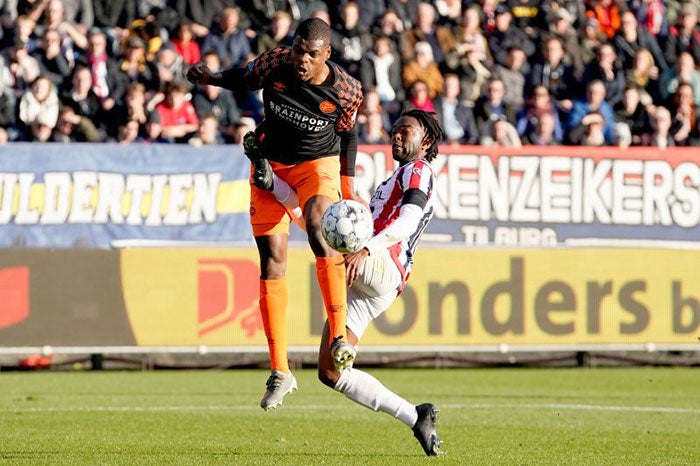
(456, 297)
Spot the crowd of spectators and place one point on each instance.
(512, 72)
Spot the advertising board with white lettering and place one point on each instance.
(84, 195)
(551, 196)
(91, 195)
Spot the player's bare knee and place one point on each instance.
(328, 376)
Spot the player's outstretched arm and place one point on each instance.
(230, 79)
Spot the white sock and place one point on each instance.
(364, 389)
(286, 196)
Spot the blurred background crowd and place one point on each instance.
(509, 73)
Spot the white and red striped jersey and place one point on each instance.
(386, 205)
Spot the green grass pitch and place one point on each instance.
(603, 416)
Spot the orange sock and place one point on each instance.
(273, 307)
(330, 272)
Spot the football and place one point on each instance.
(347, 226)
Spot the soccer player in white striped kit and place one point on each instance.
(401, 208)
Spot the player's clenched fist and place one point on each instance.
(199, 73)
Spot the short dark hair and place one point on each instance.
(314, 29)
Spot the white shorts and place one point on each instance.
(373, 291)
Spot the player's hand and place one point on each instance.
(353, 264)
(199, 73)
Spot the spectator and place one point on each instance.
(114, 17)
(440, 38)
(574, 11)
(154, 131)
(137, 68)
(405, 10)
(473, 75)
(492, 107)
(51, 61)
(652, 16)
(590, 132)
(23, 33)
(660, 130)
(260, 13)
(372, 130)
(632, 119)
(108, 82)
(685, 115)
(539, 104)
(38, 109)
(644, 75)
(185, 44)
(590, 118)
(488, 14)
(555, 75)
(561, 26)
(178, 116)
(243, 126)
(419, 98)
(469, 37)
(370, 10)
(148, 30)
(229, 41)
(528, 16)
(350, 41)
(607, 13)
(449, 12)
(591, 40)
(8, 104)
(201, 13)
(505, 35)
(170, 65)
(279, 33)
(80, 13)
(423, 68)
(513, 77)
(390, 25)
(683, 72)
(132, 108)
(500, 132)
(128, 132)
(24, 68)
(684, 36)
(542, 134)
(381, 70)
(74, 128)
(78, 94)
(606, 69)
(631, 38)
(216, 101)
(208, 132)
(456, 118)
(371, 105)
(71, 36)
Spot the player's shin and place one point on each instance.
(330, 272)
(273, 309)
(366, 390)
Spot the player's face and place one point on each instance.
(309, 59)
(408, 140)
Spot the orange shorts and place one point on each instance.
(309, 178)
